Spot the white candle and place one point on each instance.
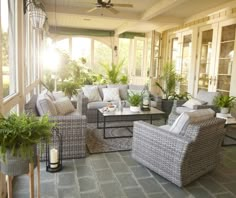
(145, 101)
(54, 157)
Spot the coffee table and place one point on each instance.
(229, 122)
(125, 115)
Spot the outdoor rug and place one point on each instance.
(97, 144)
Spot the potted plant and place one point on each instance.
(18, 138)
(69, 88)
(167, 84)
(224, 102)
(134, 100)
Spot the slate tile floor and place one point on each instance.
(117, 175)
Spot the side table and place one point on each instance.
(230, 121)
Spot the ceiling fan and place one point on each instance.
(109, 6)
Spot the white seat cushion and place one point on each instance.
(64, 106)
(165, 127)
(186, 118)
(180, 110)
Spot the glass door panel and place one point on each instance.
(205, 59)
(225, 59)
(186, 62)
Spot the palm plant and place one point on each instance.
(168, 79)
(113, 72)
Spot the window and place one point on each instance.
(81, 48)
(8, 41)
(139, 56)
(124, 52)
(102, 54)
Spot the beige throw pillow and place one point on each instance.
(64, 106)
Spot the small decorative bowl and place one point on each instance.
(111, 108)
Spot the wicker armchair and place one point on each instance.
(72, 128)
(179, 158)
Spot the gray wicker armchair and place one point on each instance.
(72, 128)
(179, 158)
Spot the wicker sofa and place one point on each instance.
(72, 127)
(180, 158)
(89, 108)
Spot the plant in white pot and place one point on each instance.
(134, 99)
(18, 138)
(224, 102)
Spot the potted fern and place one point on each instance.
(134, 100)
(18, 138)
(224, 102)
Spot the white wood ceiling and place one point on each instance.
(143, 17)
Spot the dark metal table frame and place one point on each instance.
(134, 115)
(228, 136)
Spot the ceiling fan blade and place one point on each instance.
(114, 11)
(91, 10)
(122, 5)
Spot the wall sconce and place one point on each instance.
(36, 13)
(115, 50)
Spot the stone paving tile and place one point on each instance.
(134, 193)
(83, 171)
(48, 189)
(105, 175)
(159, 195)
(96, 156)
(67, 179)
(150, 185)
(231, 187)
(113, 157)
(46, 176)
(87, 184)
(130, 161)
(112, 190)
(71, 192)
(99, 164)
(125, 153)
(199, 192)
(140, 172)
(91, 195)
(82, 162)
(225, 195)
(211, 185)
(119, 167)
(126, 180)
(175, 191)
(159, 178)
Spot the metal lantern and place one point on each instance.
(145, 103)
(37, 14)
(38, 17)
(54, 153)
